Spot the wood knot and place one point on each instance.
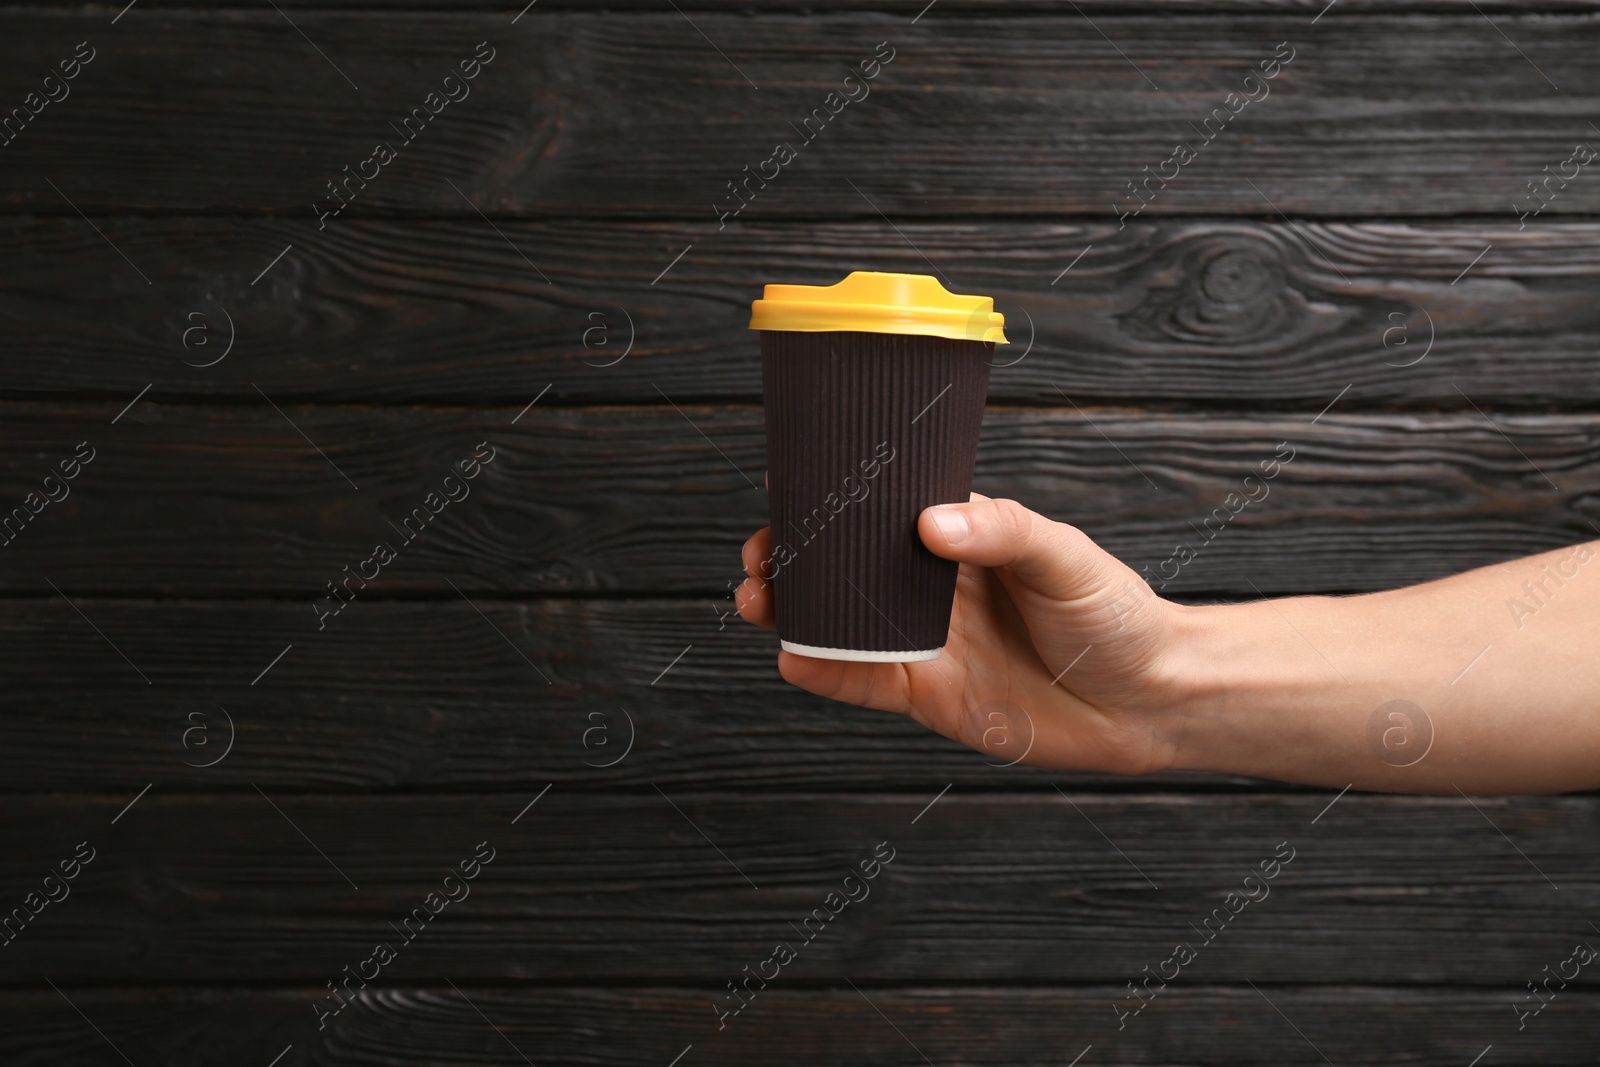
(1230, 290)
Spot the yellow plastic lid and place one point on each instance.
(872, 302)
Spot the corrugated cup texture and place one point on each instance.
(864, 430)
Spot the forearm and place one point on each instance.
(1500, 679)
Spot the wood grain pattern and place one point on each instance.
(580, 118)
(231, 501)
(1181, 313)
(410, 1025)
(984, 887)
(909, 8)
(432, 695)
(571, 602)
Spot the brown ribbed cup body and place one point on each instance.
(864, 431)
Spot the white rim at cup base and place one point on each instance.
(860, 655)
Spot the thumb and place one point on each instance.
(1051, 558)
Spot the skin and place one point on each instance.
(1054, 640)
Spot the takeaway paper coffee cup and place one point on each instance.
(874, 392)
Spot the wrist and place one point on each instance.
(1193, 690)
(1247, 693)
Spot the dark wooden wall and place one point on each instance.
(1343, 268)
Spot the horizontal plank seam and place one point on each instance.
(835, 8)
(808, 985)
(1551, 216)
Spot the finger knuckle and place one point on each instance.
(1014, 521)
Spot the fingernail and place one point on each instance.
(952, 524)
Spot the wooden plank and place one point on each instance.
(409, 1024)
(233, 501)
(911, 8)
(433, 695)
(975, 116)
(679, 886)
(1171, 313)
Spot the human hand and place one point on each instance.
(1056, 648)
